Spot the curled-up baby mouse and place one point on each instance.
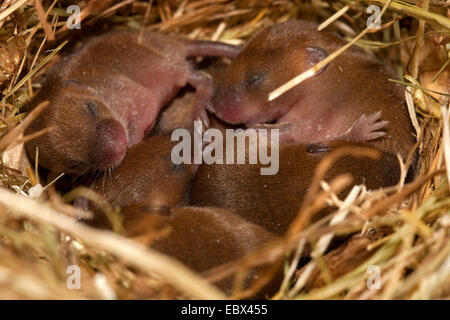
(273, 201)
(201, 238)
(106, 96)
(351, 99)
(147, 174)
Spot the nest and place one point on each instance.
(39, 239)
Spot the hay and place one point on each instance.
(39, 238)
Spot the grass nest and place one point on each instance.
(40, 240)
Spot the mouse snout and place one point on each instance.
(229, 107)
(111, 144)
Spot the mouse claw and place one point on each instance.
(81, 203)
(200, 114)
(203, 117)
(366, 128)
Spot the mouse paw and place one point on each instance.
(367, 128)
(81, 203)
(202, 115)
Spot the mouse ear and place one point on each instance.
(314, 56)
(75, 85)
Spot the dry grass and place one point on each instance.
(39, 238)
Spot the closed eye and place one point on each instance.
(77, 165)
(254, 80)
(91, 107)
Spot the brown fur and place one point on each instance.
(273, 201)
(202, 238)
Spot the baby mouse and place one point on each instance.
(201, 238)
(106, 96)
(343, 101)
(273, 201)
(147, 174)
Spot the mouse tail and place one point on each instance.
(206, 48)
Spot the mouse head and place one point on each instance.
(271, 58)
(148, 174)
(84, 135)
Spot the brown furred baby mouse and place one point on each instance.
(106, 96)
(343, 101)
(201, 238)
(147, 174)
(273, 201)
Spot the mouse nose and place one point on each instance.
(111, 144)
(228, 106)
